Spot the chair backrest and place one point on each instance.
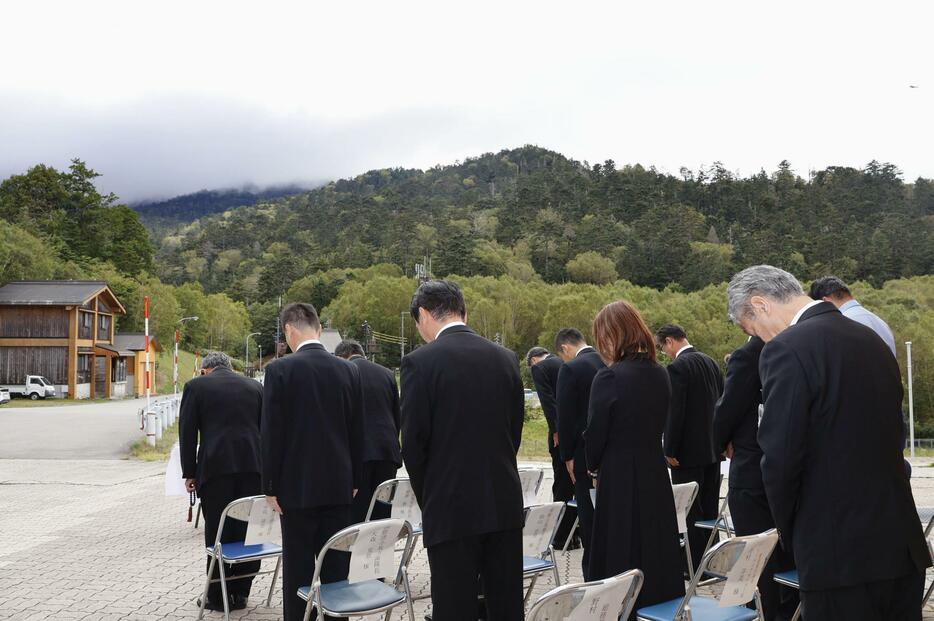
(740, 561)
(399, 495)
(601, 600)
(262, 522)
(531, 481)
(372, 550)
(684, 494)
(541, 523)
(927, 537)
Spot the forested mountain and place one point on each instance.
(530, 213)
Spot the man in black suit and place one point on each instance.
(381, 454)
(462, 411)
(312, 440)
(735, 424)
(696, 384)
(544, 367)
(581, 363)
(831, 437)
(221, 410)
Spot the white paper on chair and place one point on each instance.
(743, 577)
(372, 553)
(405, 505)
(538, 529)
(174, 483)
(682, 495)
(263, 526)
(593, 497)
(601, 604)
(529, 480)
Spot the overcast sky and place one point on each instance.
(171, 97)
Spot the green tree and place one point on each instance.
(592, 267)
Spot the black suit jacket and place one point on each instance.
(380, 412)
(222, 410)
(463, 405)
(312, 429)
(545, 376)
(736, 418)
(574, 381)
(833, 469)
(696, 384)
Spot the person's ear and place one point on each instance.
(760, 304)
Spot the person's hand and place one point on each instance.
(274, 503)
(672, 461)
(570, 466)
(554, 438)
(355, 493)
(190, 485)
(728, 453)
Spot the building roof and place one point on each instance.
(55, 293)
(128, 343)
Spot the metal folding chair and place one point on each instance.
(685, 494)
(790, 579)
(927, 539)
(398, 496)
(571, 504)
(612, 598)
(538, 555)
(238, 552)
(365, 594)
(531, 481)
(750, 554)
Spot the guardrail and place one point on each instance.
(161, 414)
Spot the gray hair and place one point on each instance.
(214, 359)
(765, 280)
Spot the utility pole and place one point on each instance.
(246, 365)
(278, 326)
(402, 335)
(911, 405)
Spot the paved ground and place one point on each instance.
(98, 430)
(98, 540)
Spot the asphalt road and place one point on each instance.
(98, 430)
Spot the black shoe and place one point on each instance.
(210, 605)
(238, 601)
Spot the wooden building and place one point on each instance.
(131, 346)
(63, 330)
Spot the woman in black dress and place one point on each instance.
(634, 525)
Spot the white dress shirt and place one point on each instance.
(801, 312)
(308, 342)
(449, 325)
(678, 353)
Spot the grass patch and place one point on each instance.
(186, 362)
(535, 437)
(159, 452)
(42, 403)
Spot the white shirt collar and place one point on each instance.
(581, 349)
(308, 342)
(678, 353)
(797, 316)
(449, 325)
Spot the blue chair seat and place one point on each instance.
(346, 599)
(702, 609)
(788, 578)
(531, 564)
(237, 551)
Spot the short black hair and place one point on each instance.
(299, 315)
(828, 286)
(535, 352)
(348, 348)
(672, 330)
(568, 336)
(441, 298)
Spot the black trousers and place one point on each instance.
(582, 486)
(889, 600)
(561, 490)
(304, 533)
(374, 473)
(215, 495)
(706, 505)
(751, 515)
(494, 558)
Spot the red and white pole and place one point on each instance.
(150, 415)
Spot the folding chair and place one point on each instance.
(927, 539)
(531, 480)
(790, 579)
(363, 592)
(238, 552)
(612, 598)
(538, 555)
(685, 494)
(740, 561)
(398, 495)
(571, 504)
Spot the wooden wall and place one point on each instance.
(33, 322)
(17, 362)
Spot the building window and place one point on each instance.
(103, 327)
(119, 370)
(84, 369)
(85, 324)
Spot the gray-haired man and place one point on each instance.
(831, 437)
(222, 409)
